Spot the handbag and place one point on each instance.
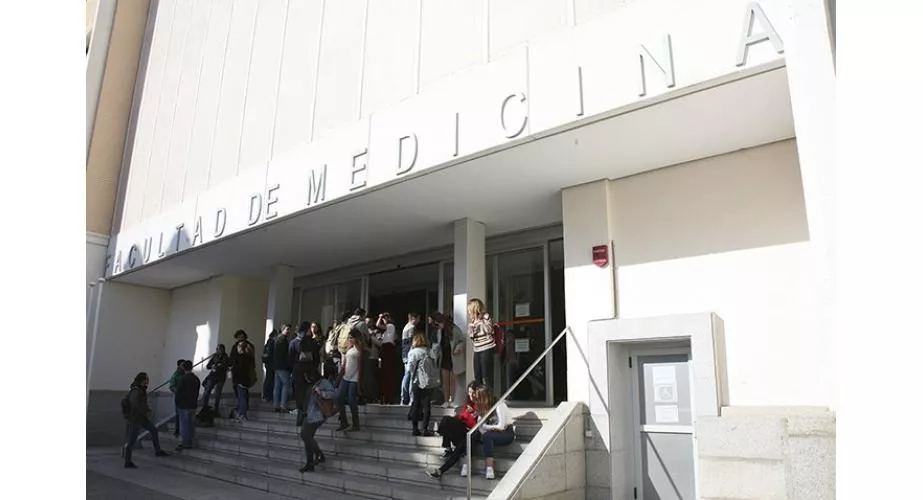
(328, 407)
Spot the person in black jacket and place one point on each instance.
(243, 373)
(269, 381)
(139, 419)
(187, 399)
(282, 366)
(218, 374)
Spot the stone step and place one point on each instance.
(280, 478)
(525, 427)
(369, 435)
(393, 470)
(293, 449)
(399, 411)
(341, 444)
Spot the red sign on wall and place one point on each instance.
(601, 255)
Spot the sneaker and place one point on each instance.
(416, 432)
(447, 404)
(130, 465)
(307, 468)
(464, 472)
(434, 474)
(179, 448)
(293, 412)
(161, 453)
(489, 473)
(428, 433)
(446, 453)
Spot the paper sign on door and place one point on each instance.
(666, 414)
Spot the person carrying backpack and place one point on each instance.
(137, 413)
(424, 378)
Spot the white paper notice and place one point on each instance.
(666, 414)
(664, 375)
(522, 310)
(522, 345)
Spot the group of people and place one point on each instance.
(358, 357)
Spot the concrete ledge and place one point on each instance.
(742, 479)
(546, 468)
(750, 437)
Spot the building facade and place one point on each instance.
(652, 176)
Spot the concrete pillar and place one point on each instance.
(470, 278)
(589, 290)
(812, 84)
(279, 300)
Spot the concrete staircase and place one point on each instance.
(383, 460)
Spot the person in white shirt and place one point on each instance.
(350, 371)
(406, 339)
(389, 361)
(497, 430)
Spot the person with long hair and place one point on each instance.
(481, 333)
(389, 359)
(348, 388)
(497, 430)
(217, 376)
(320, 388)
(138, 417)
(454, 430)
(243, 372)
(422, 398)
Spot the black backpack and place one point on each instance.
(126, 405)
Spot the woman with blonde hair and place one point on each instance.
(481, 333)
(497, 430)
(423, 380)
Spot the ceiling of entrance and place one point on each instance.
(514, 189)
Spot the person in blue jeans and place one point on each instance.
(138, 418)
(350, 370)
(243, 372)
(282, 366)
(496, 431)
(406, 339)
(319, 389)
(187, 399)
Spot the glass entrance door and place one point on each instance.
(516, 290)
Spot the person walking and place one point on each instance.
(138, 415)
(406, 340)
(425, 378)
(243, 372)
(217, 375)
(187, 399)
(306, 351)
(320, 390)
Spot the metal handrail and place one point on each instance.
(210, 356)
(502, 399)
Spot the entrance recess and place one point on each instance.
(663, 415)
(406, 290)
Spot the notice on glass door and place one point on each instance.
(522, 345)
(522, 310)
(666, 414)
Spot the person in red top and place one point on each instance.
(454, 431)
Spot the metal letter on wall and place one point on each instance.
(359, 167)
(132, 260)
(271, 212)
(580, 90)
(109, 263)
(256, 201)
(666, 69)
(221, 220)
(179, 235)
(317, 188)
(748, 38)
(148, 246)
(161, 250)
(118, 262)
(401, 168)
(197, 232)
(525, 116)
(457, 119)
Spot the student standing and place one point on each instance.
(187, 399)
(138, 417)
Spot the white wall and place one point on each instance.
(130, 335)
(728, 235)
(207, 313)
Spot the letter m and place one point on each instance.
(317, 186)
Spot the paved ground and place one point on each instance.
(108, 480)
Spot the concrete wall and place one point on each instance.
(728, 235)
(768, 453)
(560, 472)
(129, 339)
